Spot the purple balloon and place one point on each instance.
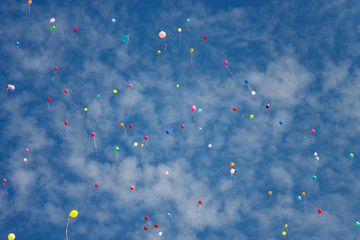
(11, 88)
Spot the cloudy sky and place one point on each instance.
(301, 58)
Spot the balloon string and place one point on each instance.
(117, 159)
(165, 44)
(96, 147)
(180, 38)
(191, 58)
(230, 71)
(48, 106)
(5, 189)
(20, 50)
(147, 145)
(349, 165)
(53, 76)
(67, 133)
(187, 26)
(29, 9)
(76, 37)
(125, 132)
(199, 209)
(289, 234)
(83, 115)
(305, 204)
(230, 179)
(67, 226)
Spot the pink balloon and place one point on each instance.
(4, 180)
(313, 131)
(130, 85)
(162, 34)
(232, 171)
(66, 91)
(193, 108)
(25, 159)
(166, 173)
(93, 134)
(315, 154)
(26, 149)
(52, 20)
(225, 63)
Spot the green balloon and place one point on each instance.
(251, 116)
(53, 28)
(125, 38)
(188, 20)
(98, 96)
(351, 155)
(357, 224)
(116, 148)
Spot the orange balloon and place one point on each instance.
(303, 193)
(270, 192)
(121, 125)
(191, 50)
(158, 51)
(232, 164)
(29, 2)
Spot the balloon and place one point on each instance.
(351, 155)
(209, 145)
(234, 109)
(319, 211)
(4, 180)
(130, 85)
(96, 185)
(313, 131)
(205, 37)
(285, 225)
(98, 96)
(313, 177)
(267, 106)
(85, 109)
(200, 110)
(48, 99)
(53, 28)
(11, 88)
(73, 214)
(317, 158)
(114, 91)
(125, 38)
(56, 68)
(191, 50)
(26, 150)
(92, 134)
(75, 29)
(299, 198)
(168, 214)
(232, 171)
(66, 123)
(17, 43)
(225, 62)
(158, 51)
(146, 218)
(200, 129)
(183, 126)
(156, 226)
(193, 108)
(66, 91)
(29, 2)
(135, 144)
(246, 81)
(130, 126)
(251, 116)
(315, 154)
(188, 20)
(166, 173)
(52, 20)
(177, 85)
(281, 123)
(146, 137)
(270, 192)
(167, 131)
(121, 125)
(113, 20)
(25, 159)
(200, 202)
(145, 228)
(253, 93)
(162, 34)
(284, 233)
(160, 233)
(303, 193)
(11, 236)
(117, 149)
(357, 224)
(132, 187)
(232, 164)
(179, 29)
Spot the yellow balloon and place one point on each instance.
(73, 214)
(11, 236)
(179, 29)
(191, 50)
(142, 145)
(177, 85)
(85, 109)
(284, 233)
(114, 91)
(286, 226)
(9, 85)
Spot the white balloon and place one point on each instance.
(25, 159)
(160, 233)
(166, 173)
(52, 20)
(209, 145)
(135, 144)
(253, 93)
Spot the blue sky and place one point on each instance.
(299, 57)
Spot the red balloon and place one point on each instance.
(56, 68)
(183, 126)
(145, 228)
(96, 185)
(156, 226)
(4, 180)
(146, 137)
(66, 123)
(319, 210)
(146, 218)
(205, 37)
(66, 91)
(93, 134)
(48, 99)
(75, 29)
(200, 202)
(234, 109)
(130, 126)
(267, 106)
(132, 187)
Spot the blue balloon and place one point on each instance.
(200, 129)
(317, 158)
(313, 177)
(168, 214)
(281, 123)
(168, 131)
(298, 198)
(113, 20)
(17, 43)
(125, 38)
(160, 30)
(199, 110)
(246, 81)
